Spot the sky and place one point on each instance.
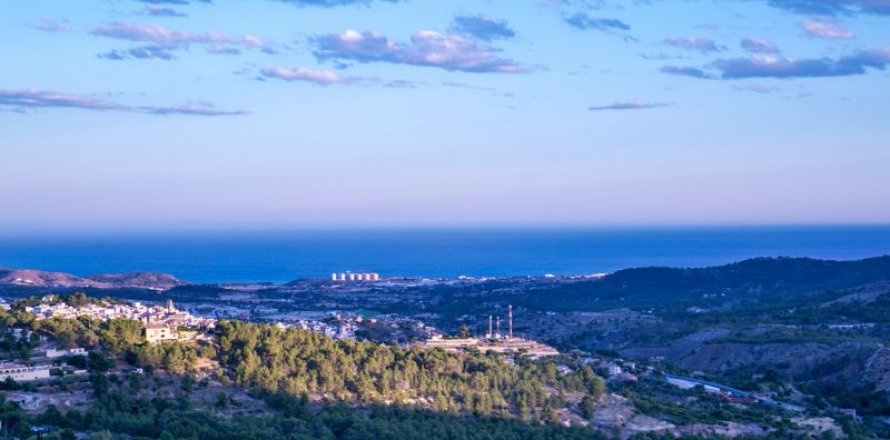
(342, 113)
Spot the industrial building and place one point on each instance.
(355, 277)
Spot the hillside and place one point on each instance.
(137, 280)
(750, 280)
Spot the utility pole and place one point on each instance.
(510, 322)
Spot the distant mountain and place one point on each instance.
(754, 279)
(782, 274)
(137, 280)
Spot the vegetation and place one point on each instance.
(656, 398)
(119, 412)
(302, 362)
(770, 279)
(117, 338)
(369, 390)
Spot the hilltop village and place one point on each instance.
(163, 322)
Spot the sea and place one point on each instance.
(284, 255)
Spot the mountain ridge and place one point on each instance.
(135, 280)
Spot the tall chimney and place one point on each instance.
(510, 322)
(497, 323)
(490, 327)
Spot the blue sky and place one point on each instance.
(307, 113)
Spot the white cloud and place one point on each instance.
(426, 48)
(317, 76)
(826, 28)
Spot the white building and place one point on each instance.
(156, 333)
(350, 276)
(23, 373)
(52, 354)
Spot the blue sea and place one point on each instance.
(281, 256)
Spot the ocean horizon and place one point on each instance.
(282, 256)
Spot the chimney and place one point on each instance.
(510, 321)
(498, 325)
(490, 327)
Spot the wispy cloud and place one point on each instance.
(662, 56)
(574, 4)
(168, 37)
(164, 40)
(142, 53)
(400, 84)
(584, 22)
(757, 45)
(833, 7)
(317, 76)
(426, 48)
(693, 43)
(460, 85)
(482, 27)
(630, 105)
(156, 10)
(693, 72)
(334, 3)
(174, 2)
(34, 98)
(756, 88)
(52, 26)
(37, 99)
(199, 108)
(222, 49)
(780, 67)
(826, 28)
(857, 63)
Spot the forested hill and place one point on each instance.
(753, 279)
(778, 274)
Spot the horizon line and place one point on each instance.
(346, 227)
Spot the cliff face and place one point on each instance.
(139, 280)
